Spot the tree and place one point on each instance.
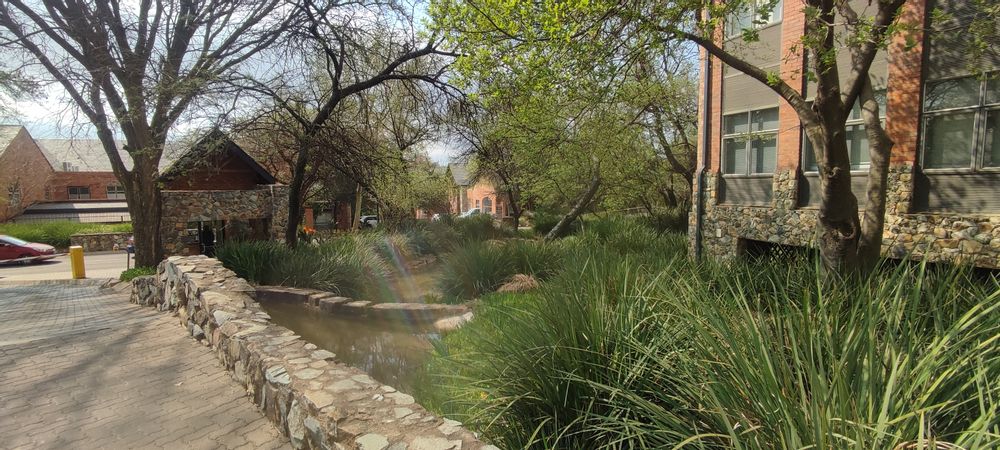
(578, 31)
(337, 51)
(134, 68)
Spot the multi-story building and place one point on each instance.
(470, 192)
(758, 183)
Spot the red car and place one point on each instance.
(14, 248)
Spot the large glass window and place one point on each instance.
(961, 123)
(754, 14)
(116, 192)
(79, 193)
(857, 138)
(750, 142)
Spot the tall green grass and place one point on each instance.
(57, 234)
(639, 348)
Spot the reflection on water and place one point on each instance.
(392, 353)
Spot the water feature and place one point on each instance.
(392, 353)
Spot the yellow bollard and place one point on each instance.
(76, 262)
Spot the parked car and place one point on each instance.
(369, 221)
(12, 248)
(471, 212)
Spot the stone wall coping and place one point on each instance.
(316, 401)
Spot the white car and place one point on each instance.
(369, 221)
(471, 212)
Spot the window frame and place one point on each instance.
(776, 17)
(750, 137)
(119, 192)
(981, 111)
(860, 121)
(70, 195)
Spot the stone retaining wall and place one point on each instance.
(936, 237)
(100, 242)
(318, 402)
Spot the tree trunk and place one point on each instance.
(356, 220)
(879, 148)
(578, 208)
(839, 225)
(146, 204)
(295, 194)
(515, 208)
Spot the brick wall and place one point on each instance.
(23, 167)
(97, 182)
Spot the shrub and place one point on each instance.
(543, 222)
(628, 350)
(473, 270)
(129, 274)
(57, 234)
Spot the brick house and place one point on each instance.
(470, 192)
(25, 173)
(758, 181)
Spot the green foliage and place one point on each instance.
(478, 268)
(639, 348)
(57, 234)
(129, 274)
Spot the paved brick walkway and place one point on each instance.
(83, 369)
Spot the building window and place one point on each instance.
(79, 193)
(753, 15)
(477, 203)
(857, 138)
(14, 193)
(487, 205)
(750, 142)
(962, 123)
(116, 192)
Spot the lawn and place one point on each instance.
(57, 234)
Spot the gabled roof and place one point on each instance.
(460, 173)
(7, 134)
(87, 155)
(200, 156)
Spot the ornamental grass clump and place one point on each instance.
(628, 350)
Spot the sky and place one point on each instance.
(52, 116)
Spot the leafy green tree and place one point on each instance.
(573, 35)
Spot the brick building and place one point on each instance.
(470, 192)
(25, 173)
(758, 183)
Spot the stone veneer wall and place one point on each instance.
(938, 237)
(316, 401)
(182, 207)
(100, 242)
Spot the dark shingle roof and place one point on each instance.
(460, 173)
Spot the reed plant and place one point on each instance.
(632, 348)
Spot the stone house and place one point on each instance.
(757, 183)
(468, 192)
(214, 193)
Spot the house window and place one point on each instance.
(14, 192)
(962, 123)
(79, 193)
(487, 205)
(857, 138)
(750, 142)
(116, 192)
(477, 203)
(753, 15)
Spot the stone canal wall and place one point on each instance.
(100, 242)
(318, 402)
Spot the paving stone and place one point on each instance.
(84, 368)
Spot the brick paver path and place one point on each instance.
(80, 368)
